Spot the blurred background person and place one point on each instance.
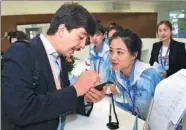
(17, 35)
(112, 24)
(99, 54)
(168, 53)
(14, 36)
(99, 59)
(113, 30)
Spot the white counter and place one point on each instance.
(99, 118)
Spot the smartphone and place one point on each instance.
(100, 86)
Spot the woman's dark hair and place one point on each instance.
(100, 28)
(113, 24)
(20, 35)
(131, 40)
(98, 21)
(167, 23)
(117, 28)
(87, 41)
(106, 29)
(73, 16)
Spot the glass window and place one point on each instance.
(178, 20)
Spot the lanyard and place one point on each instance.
(98, 60)
(161, 59)
(135, 126)
(58, 86)
(133, 99)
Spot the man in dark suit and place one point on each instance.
(26, 106)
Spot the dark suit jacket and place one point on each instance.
(28, 108)
(177, 56)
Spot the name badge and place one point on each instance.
(120, 98)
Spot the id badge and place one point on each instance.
(120, 98)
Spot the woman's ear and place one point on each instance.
(135, 55)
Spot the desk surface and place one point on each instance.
(99, 118)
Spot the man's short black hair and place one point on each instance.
(73, 16)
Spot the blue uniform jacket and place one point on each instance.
(100, 61)
(145, 79)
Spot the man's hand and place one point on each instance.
(85, 81)
(94, 95)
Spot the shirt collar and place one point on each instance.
(47, 45)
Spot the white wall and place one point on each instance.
(44, 7)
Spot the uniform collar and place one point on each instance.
(137, 70)
(104, 48)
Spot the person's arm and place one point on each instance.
(184, 52)
(23, 106)
(182, 56)
(84, 108)
(152, 60)
(85, 103)
(181, 62)
(155, 79)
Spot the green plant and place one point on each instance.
(70, 63)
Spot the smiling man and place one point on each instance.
(36, 93)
